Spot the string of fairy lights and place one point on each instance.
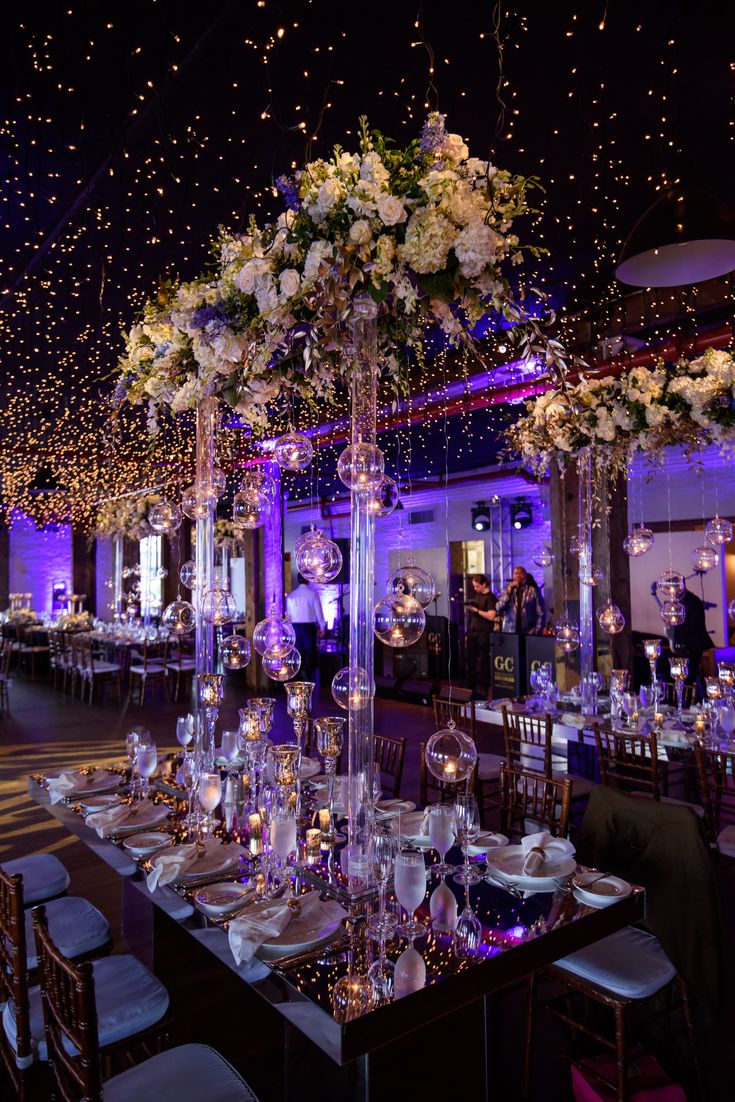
(130, 135)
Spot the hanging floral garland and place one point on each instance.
(126, 516)
(690, 404)
(424, 229)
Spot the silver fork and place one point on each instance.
(511, 886)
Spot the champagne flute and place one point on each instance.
(441, 835)
(147, 758)
(190, 774)
(283, 836)
(467, 936)
(409, 881)
(184, 733)
(466, 823)
(210, 795)
(383, 852)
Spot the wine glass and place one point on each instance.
(230, 747)
(383, 852)
(147, 759)
(630, 707)
(467, 936)
(190, 774)
(377, 783)
(466, 824)
(283, 836)
(552, 695)
(409, 881)
(535, 683)
(647, 696)
(441, 835)
(184, 732)
(210, 794)
(726, 716)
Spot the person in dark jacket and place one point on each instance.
(481, 625)
(692, 638)
(522, 605)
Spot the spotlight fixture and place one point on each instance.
(521, 514)
(480, 517)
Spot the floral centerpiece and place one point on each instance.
(690, 404)
(20, 617)
(424, 229)
(126, 516)
(74, 621)
(227, 535)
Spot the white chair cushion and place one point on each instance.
(129, 1000)
(630, 963)
(188, 1073)
(726, 840)
(186, 664)
(106, 667)
(75, 926)
(44, 876)
(488, 768)
(153, 668)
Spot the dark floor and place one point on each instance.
(48, 731)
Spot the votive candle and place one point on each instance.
(256, 833)
(313, 842)
(325, 820)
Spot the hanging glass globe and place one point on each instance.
(670, 584)
(188, 574)
(590, 577)
(255, 479)
(672, 613)
(293, 451)
(610, 618)
(319, 560)
(638, 541)
(413, 581)
(398, 620)
(350, 688)
(361, 467)
(450, 755)
(198, 502)
(234, 652)
(705, 558)
(250, 509)
(218, 606)
(218, 481)
(543, 556)
(731, 612)
(311, 535)
(718, 530)
(179, 617)
(282, 668)
(274, 636)
(384, 500)
(567, 634)
(165, 517)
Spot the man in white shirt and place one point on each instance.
(304, 610)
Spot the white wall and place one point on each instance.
(103, 573)
(38, 559)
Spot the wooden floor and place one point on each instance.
(47, 730)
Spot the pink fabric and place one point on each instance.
(649, 1084)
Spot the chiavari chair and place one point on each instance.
(716, 773)
(6, 657)
(531, 802)
(149, 668)
(389, 753)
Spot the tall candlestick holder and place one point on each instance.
(210, 693)
(298, 705)
(329, 739)
(652, 651)
(286, 773)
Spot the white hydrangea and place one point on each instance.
(319, 251)
(429, 237)
(475, 247)
(385, 252)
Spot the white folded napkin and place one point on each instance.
(60, 787)
(249, 930)
(540, 848)
(167, 867)
(425, 820)
(107, 822)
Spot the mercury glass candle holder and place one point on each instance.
(652, 651)
(329, 739)
(211, 689)
(286, 773)
(264, 706)
(298, 705)
(679, 669)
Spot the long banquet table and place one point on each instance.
(374, 1054)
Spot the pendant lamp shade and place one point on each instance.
(687, 236)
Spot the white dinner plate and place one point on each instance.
(217, 858)
(394, 806)
(101, 781)
(146, 843)
(487, 842)
(507, 864)
(602, 892)
(148, 816)
(92, 804)
(303, 934)
(218, 900)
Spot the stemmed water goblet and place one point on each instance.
(137, 736)
(630, 707)
(409, 882)
(184, 731)
(147, 759)
(441, 836)
(382, 853)
(329, 739)
(618, 685)
(552, 695)
(190, 772)
(679, 671)
(210, 795)
(466, 825)
(652, 651)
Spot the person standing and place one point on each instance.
(304, 610)
(692, 638)
(481, 625)
(522, 605)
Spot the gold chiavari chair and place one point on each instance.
(532, 802)
(628, 762)
(389, 753)
(716, 773)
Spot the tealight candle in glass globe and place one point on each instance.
(282, 668)
(234, 652)
(198, 502)
(361, 467)
(543, 556)
(705, 558)
(670, 585)
(319, 559)
(218, 481)
(672, 613)
(188, 574)
(179, 617)
(218, 606)
(383, 500)
(718, 530)
(639, 541)
(274, 636)
(293, 451)
(350, 688)
(261, 481)
(450, 755)
(398, 620)
(250, 509)
(165, 517)
(567, 634)
(590, 576)
(413, 581)
(610, 618)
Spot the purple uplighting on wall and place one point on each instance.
(273, 545)
(39, 558)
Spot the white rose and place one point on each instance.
(247, 278)
(391, 210)
(454, 149)
(360, 232)
(289, 282)
(328, 194)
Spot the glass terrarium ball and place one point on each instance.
(274, 636)
(218, 481)
(319, 560)
(361, 467)
(293, 451)
(705, 558)
(188, 574)
(350, 688)
(165, 517)
(384, 499)
(638, 541)
(218, 606)
(198, 502)
(670, 584)
(250, 508)
(567, 635)
(610, 618)
(718, 530)
(179, 617)
(352, 997)
(450, 755)
(543, 556)
(413, 581)
(234, 652)
(256, 479)
(591, 576)
(672, 613)
(398, 620)
(282, 668)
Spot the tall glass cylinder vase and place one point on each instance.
(206, 432)
(364, 375)
(586, 609)
(118, 547)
